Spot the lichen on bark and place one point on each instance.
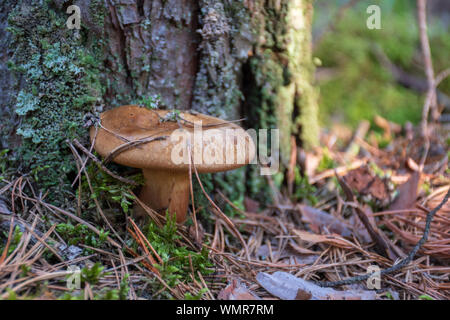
(231, 59)
(282, 70)
(226, 39)
(256, 62)
(225, 42)
(56, 79)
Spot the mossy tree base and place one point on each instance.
(226, 58)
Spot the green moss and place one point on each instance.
(59, 70)
(280, 74)
(80, 234)
(283, 71)
(97, 12)
(303, 189)
(233, 185)
(178, 262)
(107, 189)
(92, 275)
(257, 186)
(326, 162)
(15, 240)
(275, 88)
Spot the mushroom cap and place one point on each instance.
(216, 145)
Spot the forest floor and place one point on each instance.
(364, 205)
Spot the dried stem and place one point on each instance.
(430, 102)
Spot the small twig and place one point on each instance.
(382, 246)
(86, 160)
(403, 262)
(213, 124)
(71, 216)
(424, 156)
(141, 235)
(42, 240)
(152, 262)
(222, 215)
(99, 163)
(113, 133)
(5, 249)
(191, 188)
(431, 95)
(175, 117)
(131, 144)
(48, 276)
(97, 204)
(442, 76)
(159, 219)
(339, 170)
(353, 147)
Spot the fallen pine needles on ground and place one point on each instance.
(363, 209)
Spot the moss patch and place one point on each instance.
(57, 71)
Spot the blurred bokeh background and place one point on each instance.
(364, 72)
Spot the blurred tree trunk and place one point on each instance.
(231, 59)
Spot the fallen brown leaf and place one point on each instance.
(334, 240)
(365, 183)
(251, 205)
(407, 196)
(288, 287)
(319, 220)
(197, 235)
(236, 291)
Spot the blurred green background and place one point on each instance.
(353, 84)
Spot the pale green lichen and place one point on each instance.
(217, 87)
(57, 73)
(226, 40)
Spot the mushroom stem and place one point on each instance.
(166, 190)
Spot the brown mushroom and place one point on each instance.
(213, 144)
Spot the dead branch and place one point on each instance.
(99, 163)
(403, 262)
(430, 103)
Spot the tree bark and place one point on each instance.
(230, 59)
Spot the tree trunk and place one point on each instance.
(230, 59)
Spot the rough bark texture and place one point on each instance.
(7, 91)
(227, 58)
(155, 46)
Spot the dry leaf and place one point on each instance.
(319, 220)
(365, 183)
(197, 235)
(236, 291)
(288, 287)
(251, 205)
(334, 240)
(4, 208)
(407, 193)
